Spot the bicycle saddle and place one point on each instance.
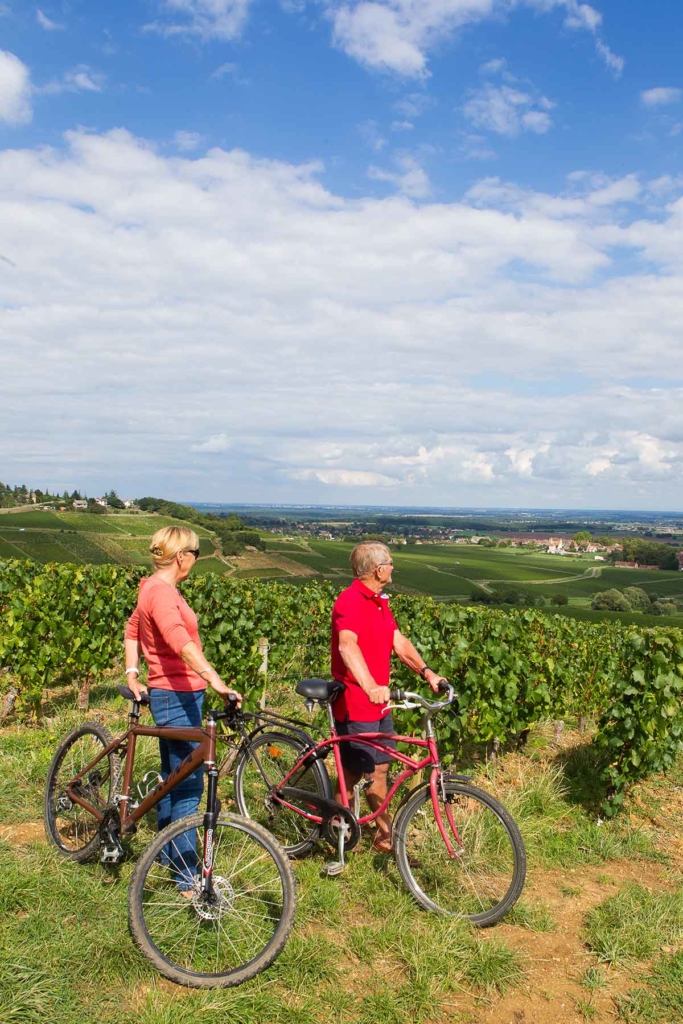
(319, 689)
(129, 695)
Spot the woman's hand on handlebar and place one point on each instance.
(217, 684)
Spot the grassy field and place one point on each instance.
(597, 935)
(455, 571)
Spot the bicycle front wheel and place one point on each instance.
(277, 754)
(73, 829)
(485, 877)
(232, 934)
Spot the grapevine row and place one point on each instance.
(63, 625)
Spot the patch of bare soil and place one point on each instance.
(557, 960)
(267, 560)
(22, 835)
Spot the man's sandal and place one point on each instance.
(382, 843)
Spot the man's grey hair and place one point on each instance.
(366, 556)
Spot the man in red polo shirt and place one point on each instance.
(364, 634)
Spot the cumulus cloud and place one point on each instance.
(15, 90)
(371, 135)
(203, 19)
(662, 96)
(506, 110)
(222, 326)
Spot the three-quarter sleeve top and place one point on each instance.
(164, 623)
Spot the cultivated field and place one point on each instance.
(597, 935)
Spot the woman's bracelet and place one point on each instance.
(133, 669)
(207, 668)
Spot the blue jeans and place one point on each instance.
(176, 708)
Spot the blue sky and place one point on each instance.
(313, 250)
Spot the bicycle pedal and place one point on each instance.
(333, 868)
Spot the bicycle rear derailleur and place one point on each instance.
(111, 850)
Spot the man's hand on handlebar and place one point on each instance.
(379, 694)
(436, 682)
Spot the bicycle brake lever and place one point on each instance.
(405, 705)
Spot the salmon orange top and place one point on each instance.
(164, 623)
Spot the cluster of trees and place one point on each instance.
(21, 495)
(633, 599)
(646, 552)
(231, 530)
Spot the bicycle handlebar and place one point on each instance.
(435, 705)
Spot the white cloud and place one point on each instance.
(345, 477)
(230, 70)
(216, 444)
(187, 141)
(371, 135)
(409, 178)
(661, 96)
(47, 23)
(82, 78)
(15, 90)
(414, 104)
(204, 19)
(506, 110)
(402, 126)
(398, 35)
(225, 327)
(583, 16)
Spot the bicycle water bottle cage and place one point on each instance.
(319, 690)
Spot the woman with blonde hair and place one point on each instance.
(164, 629)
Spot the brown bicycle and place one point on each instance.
(212, 897)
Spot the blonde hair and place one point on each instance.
(366, 556)
(168, 541)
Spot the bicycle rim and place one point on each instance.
(230, 937)
(278, 754)
(486, 876)
(73, 829)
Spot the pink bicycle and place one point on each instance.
(457, 849)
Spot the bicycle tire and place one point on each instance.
(487, 876)
(63, 818)
(155, 922)
(296, 833)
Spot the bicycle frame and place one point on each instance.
(204, 753)
(377, 741)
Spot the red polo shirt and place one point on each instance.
(368, 616)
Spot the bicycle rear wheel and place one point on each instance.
(277, 753)
(230, 937)
(73, 829)
(486, 876)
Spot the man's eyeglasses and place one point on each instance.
(379, 566)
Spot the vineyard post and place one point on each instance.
(263, 648)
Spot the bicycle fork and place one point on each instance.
(213, 809)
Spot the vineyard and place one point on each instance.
(61, 626)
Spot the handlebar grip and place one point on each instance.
(230, 700)
(396, 695)
(443, 686)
